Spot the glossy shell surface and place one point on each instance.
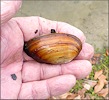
(54, 48)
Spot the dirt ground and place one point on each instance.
(89, 16)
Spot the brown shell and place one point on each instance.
(53, 48)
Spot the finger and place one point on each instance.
(47, 88)
(79, 68)
(66, 28)
(8, 9)
(29, 25)
(35, 71)
(87, 52)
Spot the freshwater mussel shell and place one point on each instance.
(57, 48)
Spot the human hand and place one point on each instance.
(35, 80)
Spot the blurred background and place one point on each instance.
(91, 17)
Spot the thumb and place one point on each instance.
(8, 9)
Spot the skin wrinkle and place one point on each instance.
(3, 12)
(56, 27)
(20, 29)
(48, 88)
(23, 80)
(21, 84)
(12, 59)
(5, 44)
(34, 92)
(40, 31)
(60, 72)
(22, 72)
(10, 24)
(5, 17)
(41, 72)
(22, 95)
(83, 52)
(78, 72)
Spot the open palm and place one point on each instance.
(33, 80)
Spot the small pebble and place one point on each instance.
(36, 31)
(53, 31)
(13, 76)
